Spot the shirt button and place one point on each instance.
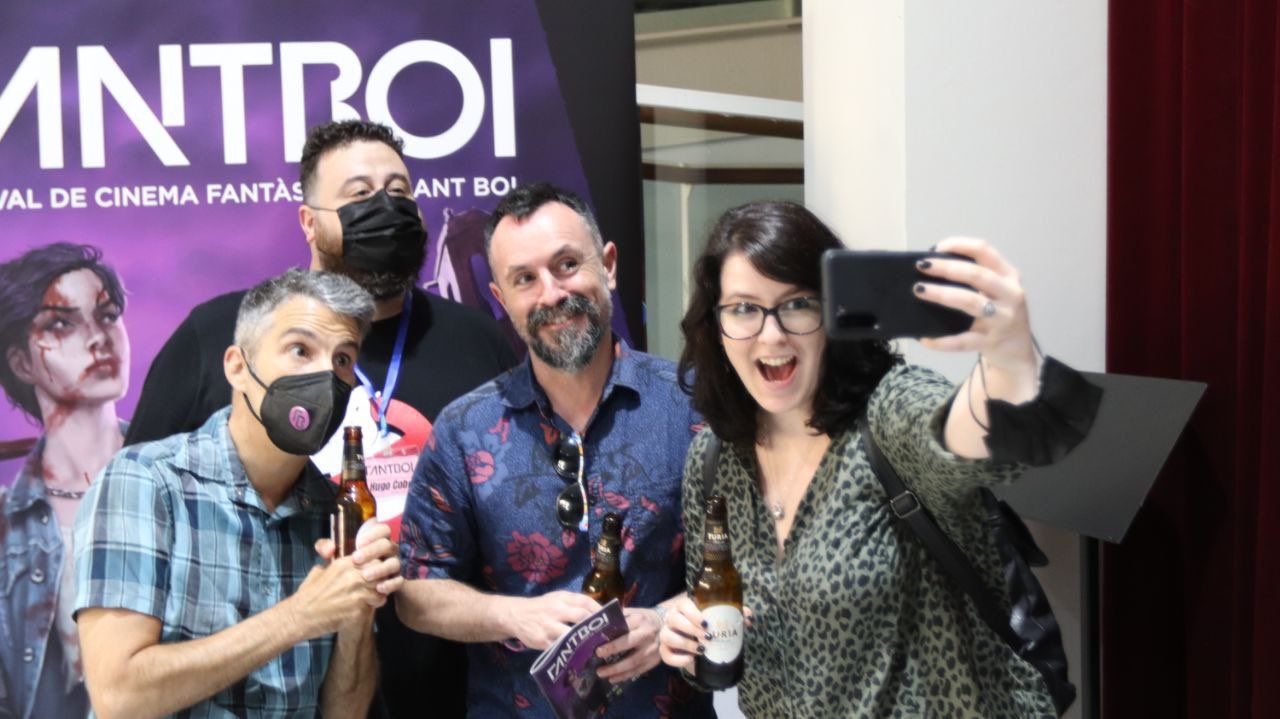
(44, 519)
(37, 575)
(28, 654)
(306, 501)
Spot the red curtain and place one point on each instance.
(1190, 602)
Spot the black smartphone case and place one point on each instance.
(871, 295)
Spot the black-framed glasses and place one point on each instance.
(569, 459)
(744, 320)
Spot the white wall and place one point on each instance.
(1003, 136)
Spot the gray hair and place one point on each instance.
(337, 292)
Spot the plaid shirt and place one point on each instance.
(174, 530)
(481, 510)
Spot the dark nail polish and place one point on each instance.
(924, 264)
(702, 649)
(707, 636)
(919, 288)
(704, 624)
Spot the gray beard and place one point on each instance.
(574, 347)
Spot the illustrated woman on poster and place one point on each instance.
(64, 362)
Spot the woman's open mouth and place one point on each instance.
(776, 369)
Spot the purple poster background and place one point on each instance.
(173, 256)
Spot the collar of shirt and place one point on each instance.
(212, 457)
(519, 389)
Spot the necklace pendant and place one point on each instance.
(776, 510)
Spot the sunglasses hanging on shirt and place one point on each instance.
(568, 458)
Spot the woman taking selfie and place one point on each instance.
(851, 616)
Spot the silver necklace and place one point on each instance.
(776, 509)
(64, 493)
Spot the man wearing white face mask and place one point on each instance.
(198, 585)
(359, 219)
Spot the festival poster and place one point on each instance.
(165, 137)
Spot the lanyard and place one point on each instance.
(382, 400)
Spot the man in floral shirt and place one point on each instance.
(509, 494)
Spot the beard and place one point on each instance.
(379, 283)
(572, 347)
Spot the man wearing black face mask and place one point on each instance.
(204, 581)
(359, 220)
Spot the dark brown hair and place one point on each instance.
(784, 242)
(340, 133)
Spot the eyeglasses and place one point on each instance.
(567, 456)
(744, 320)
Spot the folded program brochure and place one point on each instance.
(566, 671)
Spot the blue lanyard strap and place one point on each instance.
(381, 401)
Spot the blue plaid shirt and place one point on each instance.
(481, 510)
(174, 530)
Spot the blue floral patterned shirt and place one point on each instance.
(481, 510)
(174, 530)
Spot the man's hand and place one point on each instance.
(332, 596)
(538, 621)
(345, 590)
(377, 557)
(640, 645)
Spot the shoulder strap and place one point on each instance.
(908, 509)
(710, 458)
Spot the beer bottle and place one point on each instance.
(718, 594)
(604, 581)
(354, 505)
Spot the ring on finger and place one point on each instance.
(989, 309)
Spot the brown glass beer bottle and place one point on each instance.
(355, 504)
(718, 594)
(604, 581)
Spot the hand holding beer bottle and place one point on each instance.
(355, 504)
(704, 635)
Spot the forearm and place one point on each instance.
(163, 678)
(450, 609)
(353, 672)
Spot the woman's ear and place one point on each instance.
(20, 364)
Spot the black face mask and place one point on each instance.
(301, 411)
(383, 234)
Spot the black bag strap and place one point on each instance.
(908, 509)
(710, 458)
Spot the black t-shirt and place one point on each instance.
(450, 349)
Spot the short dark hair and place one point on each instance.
(525, 200)
(784, 242)
(340, 133)
(23, 282)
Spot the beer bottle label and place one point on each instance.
(716, 543)
(724, 624)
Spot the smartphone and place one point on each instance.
(871, 295)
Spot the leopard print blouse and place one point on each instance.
(854, 618)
